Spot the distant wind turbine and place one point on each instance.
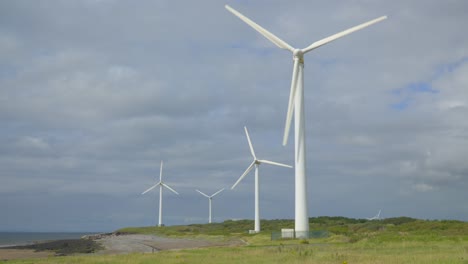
(161, 185)
(255, 163)
(376, 217)
(296, 106)
(209, 199)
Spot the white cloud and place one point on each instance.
(33, 143)
(423, 187)
(362, 140)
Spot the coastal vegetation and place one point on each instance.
(389, 229)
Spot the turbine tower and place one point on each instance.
(209, 199)
(255, 163)
(161, 185)
(296, 105)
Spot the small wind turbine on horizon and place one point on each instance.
(255, 163)
(296, 106)
(376, 217)
(209, 199)
(161, 185)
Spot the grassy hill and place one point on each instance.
(353, 230)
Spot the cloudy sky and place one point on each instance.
(95, 93)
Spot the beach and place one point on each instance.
(115, 243)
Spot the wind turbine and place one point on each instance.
(296, 105)
(161, 185)
(255, 163)
(209, 199)
(376, 217)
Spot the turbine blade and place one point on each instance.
(250, 143)
(154, 186)
(277, 41)
(292, 95)
(167, 186)
(202, 194)
(275, 163)
(244, 174)
(342, 34)
(217, 193)
(160, 171)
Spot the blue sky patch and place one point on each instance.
(422, 87)
(402, 105)
(448, 68)
(409, 92)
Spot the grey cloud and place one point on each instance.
(93, 94)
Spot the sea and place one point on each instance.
(24, 238)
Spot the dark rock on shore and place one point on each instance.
(100, 236)
(64, 247)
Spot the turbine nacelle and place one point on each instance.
(208, 196)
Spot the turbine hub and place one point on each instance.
(298, 53)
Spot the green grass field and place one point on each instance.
(394, 240)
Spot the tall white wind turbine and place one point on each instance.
(161, 185)
(255, 163)
(296, 105)
(209, 199)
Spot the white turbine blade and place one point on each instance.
(160, 171)
(277, 41)
(342, 34)
(244, 174)
(202, 194)
(154, 186)
(292, 95)
(250, 143)
(167, 186)
(217, 192)
(275, 163)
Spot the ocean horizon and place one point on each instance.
(23, 238)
